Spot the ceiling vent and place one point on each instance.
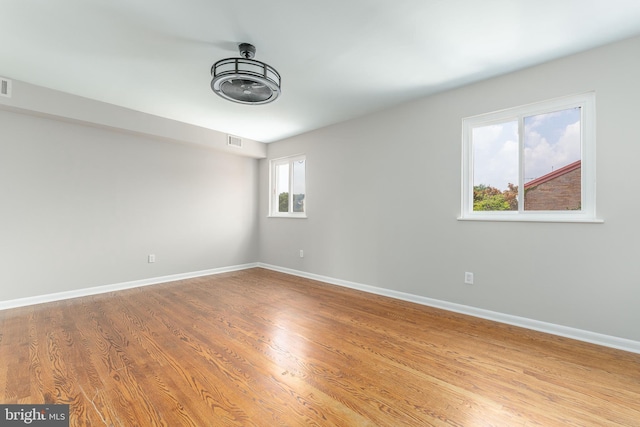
(5, 87)
(234, 141)
(245, 80)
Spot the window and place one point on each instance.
(288, 194)
(531, 163)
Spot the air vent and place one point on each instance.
(234, 141)
(5, 87)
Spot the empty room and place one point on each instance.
(410, 213)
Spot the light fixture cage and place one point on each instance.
(245, 80)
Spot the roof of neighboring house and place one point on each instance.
(553, 175)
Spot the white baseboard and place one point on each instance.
(40, 299)
(550, 328)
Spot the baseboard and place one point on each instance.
(550, 328)
(40, 299)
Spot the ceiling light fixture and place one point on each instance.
(244, 79)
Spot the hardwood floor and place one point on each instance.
(261, 348)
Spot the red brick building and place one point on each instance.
(556, 191)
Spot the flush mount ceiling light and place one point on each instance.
(244, 79)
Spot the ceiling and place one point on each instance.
(339, 59)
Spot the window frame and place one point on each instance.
(587, 213)
(273, 196)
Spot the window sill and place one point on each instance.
(288, 216)
(532, 218)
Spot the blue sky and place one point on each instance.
(551, 141)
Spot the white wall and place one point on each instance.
(383, 194)
(83, 206)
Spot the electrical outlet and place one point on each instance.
(152, 258)
(301, 253)
(468, 278)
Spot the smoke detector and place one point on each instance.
(244, 79)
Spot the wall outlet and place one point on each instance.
(152, 258)
(301, 253)
(468, 278)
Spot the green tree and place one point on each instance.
(486, 198)
(511, 196)
(283, 202)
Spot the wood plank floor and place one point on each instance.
(260, 348)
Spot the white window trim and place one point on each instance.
(273, 202)
(588, 132)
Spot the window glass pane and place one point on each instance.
(495, 167)
(298, 185)
(552, 161)
(282, 187)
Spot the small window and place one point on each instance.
(531, 163)
(288, 193)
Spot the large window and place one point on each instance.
(288, 191)
(531, 163)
